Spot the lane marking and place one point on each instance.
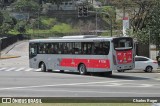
(72, 84)
(19, 69)
(2, 69)
(28, 69)
(124, 85)
(10, 69)
(37, 70)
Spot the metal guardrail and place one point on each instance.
(6, 41)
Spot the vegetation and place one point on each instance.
(143, 14)
(144, 18)
(26, 6)
(153, 24)
(1, 18)
(7, 22)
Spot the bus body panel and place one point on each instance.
(123, 59)
(69, 62)
(114, 60)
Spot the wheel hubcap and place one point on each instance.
(42, 67)
(149, 69)
(82, 69)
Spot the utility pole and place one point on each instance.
(96, 21)
(111, 25)
(107, 15)
(38, 20)
(124, 12)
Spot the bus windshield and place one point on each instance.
(123, 43)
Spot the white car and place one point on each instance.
(144, 63)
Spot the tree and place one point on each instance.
(138, 11)
(1, 18)
(153, 23)
(6, 22)
(140, 18)
(5, 3)
(27, 6)
(139, 14)
(57, 2)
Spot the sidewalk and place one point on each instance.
(5, 54)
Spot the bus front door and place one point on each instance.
(32, 55)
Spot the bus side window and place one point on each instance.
(44, 49)
(76, 50)
(60, 49)
(101, 48)
(53, 49)
(33, 50)
(86, 48)
(40, 48)
(65, 50)
(106, 48)
(47, 48)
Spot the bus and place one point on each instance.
(83, 54)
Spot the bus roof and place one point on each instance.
(79, 38)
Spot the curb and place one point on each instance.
(8, 57)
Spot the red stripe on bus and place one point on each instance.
(90, 63)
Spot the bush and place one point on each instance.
(48, 22)
(62, 28)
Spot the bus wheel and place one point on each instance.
(120, 70)
(61, 71)
(109, 73)
(82, 69)
(43, 67)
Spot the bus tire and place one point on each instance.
(43, 67)
(109, 73)
(82, 69)
(120, 70)
(61, 71)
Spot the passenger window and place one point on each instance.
(101, 48)
(32, 50)
(87, 48)
(40, 48)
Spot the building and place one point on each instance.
(68, 5)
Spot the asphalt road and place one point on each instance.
(54, 84)
(18, 80)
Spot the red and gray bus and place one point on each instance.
(83, 54)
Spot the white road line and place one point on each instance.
(2, 69)
(28, 69)
(123, 85)
(10, 69)
(37, 70)
(157, 79)
(19, 69)
(72, 84)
